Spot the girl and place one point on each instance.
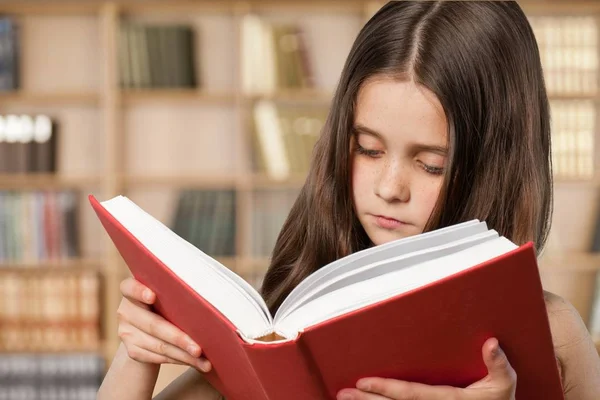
(440, 116)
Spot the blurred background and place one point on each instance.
(204, 113)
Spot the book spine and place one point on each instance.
(281, 367)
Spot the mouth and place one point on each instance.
(388, 223)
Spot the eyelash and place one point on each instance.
(432, 170)
(376, 153)
(366, 152)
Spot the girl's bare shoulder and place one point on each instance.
(565, 322)
(576, 354)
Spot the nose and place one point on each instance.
(393, 182)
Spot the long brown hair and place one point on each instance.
(482, 62)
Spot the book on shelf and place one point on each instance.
(274, 56)
(569, 56)
(568, 52)
(49, 311)
(284, 137)
(269, 211)
(27, 144)
(38, 226)
(206, 219)
(9, 54)
(156, 56)
(50, 376)
(417, 309)
(573, 131)
(594, 320)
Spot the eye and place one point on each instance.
(368, 152)
(430, 169)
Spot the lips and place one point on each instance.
(387, 222)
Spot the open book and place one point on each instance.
(417, 308)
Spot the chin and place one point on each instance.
(383, 237)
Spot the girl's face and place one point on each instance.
(398, 157)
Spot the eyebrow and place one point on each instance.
(418, 147)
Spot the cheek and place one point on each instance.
(360, 177)
(428, 197)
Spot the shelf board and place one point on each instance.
(308, 95)
(53, 266)
(250, 263)
(262, 181)
(230, 262)
(46, 181)
(214, 181)
(23, 98)
(191, 6)
(175, 6)
(573, 96)
(332, 6)
(61, 7)
(563, 182)
(79, 7)
(560, 7)
(131, 97)
(66, 351)
(566, 261)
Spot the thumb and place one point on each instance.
(501, 375)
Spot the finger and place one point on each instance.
(167, 350)
(158, 327)
(142, 355)
(501, 377)
(134, 290)
(499, 368)
(355, 394)
(402, 390)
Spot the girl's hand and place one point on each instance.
(499, 384)
(148, 337)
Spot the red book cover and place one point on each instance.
(431, 335)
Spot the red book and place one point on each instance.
(416, 309)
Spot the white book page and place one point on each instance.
(375, 254)
(237, 280)
(219, 268)
(190, 264)
(389, 265)
(371, 291)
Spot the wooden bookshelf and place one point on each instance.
(124, 134)
(312, 96)
(49, 99)
(53, 266)
(261, 181)
(47, 181)
(572, 260)
(224, 181)
(68, 7)
(95, 349)
(195, 96)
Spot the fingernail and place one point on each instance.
(344, 396)
(204, 365)
(496, 350)
(147, 295)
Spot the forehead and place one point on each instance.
(393, 107)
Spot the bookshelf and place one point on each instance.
(149, 143)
